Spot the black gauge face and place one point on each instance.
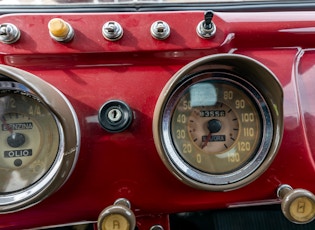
(216, 126)
(29, 137)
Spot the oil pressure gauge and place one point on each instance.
(215, 127)
(39, 139)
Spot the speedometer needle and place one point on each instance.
(204, 144)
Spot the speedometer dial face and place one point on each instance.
(29, 138)
(216, 126)
(215, 129)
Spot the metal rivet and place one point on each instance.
(112, 31)
(9, 33)
(160, 30)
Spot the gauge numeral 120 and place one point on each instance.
(243, 146)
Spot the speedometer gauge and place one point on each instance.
(217, 124)
(215, 128)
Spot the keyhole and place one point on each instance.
(114, 115)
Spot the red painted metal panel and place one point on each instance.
(91, 70)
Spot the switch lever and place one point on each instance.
(208, 20)
(206, 28)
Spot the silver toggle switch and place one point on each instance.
(9, 33)
(206, 28)
(112, 31)
(160, 30)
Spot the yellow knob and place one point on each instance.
(58, 27)
(117, 217)
(297, 205)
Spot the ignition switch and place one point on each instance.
(115, 116)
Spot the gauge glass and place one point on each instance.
(216, 126)
(29, 137)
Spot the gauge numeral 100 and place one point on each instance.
(181, 118)
(234, 157)
(248, 117)
(187, 148)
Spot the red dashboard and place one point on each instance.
(90, 71)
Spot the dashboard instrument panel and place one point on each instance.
(135, 115)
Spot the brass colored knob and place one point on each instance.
(298, 205)
(60, 30)
(117, 216)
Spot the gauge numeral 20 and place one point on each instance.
(187, 148)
